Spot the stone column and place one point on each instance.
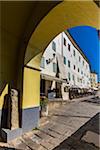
(13, 114)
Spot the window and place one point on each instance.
(68, 63)
(83, 81)
(79, 58)
(74, 67)
(69, 47)
(64, 41)
(64, 60)
(54, 46)
(74, 52)
(81, 72)
(69, 76)
(42, 62)
(83, 62)
(78, 79)
(78, 70)
(54, 67)
(73, 78)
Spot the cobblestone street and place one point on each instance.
(66, 128)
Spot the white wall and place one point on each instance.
(49, 54)
(69, 56)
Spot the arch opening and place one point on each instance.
(47, 29)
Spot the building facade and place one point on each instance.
(94, 80)
(64, 60)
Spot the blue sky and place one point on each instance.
(87, 38)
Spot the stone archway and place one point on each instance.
(25, 35)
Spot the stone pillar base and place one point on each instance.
(8, 135)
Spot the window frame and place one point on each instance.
(74, 52)
(74, 67)
(69, 47)
(83, 62)
(54, 46)
(73, 77)
(54, 68)
(69, 64)
(78, 70)
(69, 76)
(64, 41)
(42, 65)
(64, 60)
(79, 59)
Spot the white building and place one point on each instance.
(75, 66)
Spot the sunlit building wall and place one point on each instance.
(75, 62)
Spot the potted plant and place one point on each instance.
(43, 106)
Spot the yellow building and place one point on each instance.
(98, 85)
(93, 79)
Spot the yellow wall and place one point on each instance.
(35, 62)
(5, 91)
(31, 90)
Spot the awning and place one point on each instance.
(51, 78)
(74, 86)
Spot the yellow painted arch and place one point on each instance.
(65, 15)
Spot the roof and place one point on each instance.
(93, 73)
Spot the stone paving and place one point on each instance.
(60, 126)
(85, 138)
